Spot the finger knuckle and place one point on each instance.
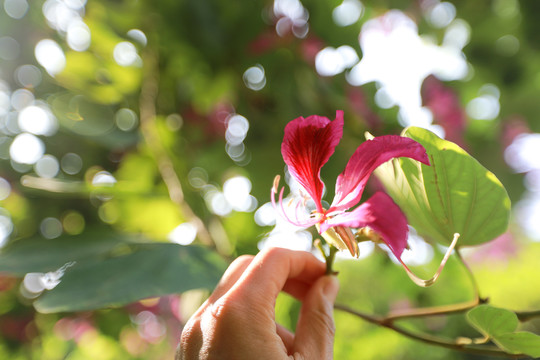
(190, 340)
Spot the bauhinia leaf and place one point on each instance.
(492, 321)
(153, 269)
(520, 342)
(42, 255)
(499, 325)
(456, 194)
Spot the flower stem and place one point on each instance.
(330, 261)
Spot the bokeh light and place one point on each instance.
(28, 76)
(50, 55)
(237, 193)
(108, 212)
(330, 61)
(522, 154)
(71, 163)
(419, 252)
(237, 129)
(125, 54)
(126, 119)
(507, 45)
(47, 166)
(183, 234)
(50, 228)
(150, 327)
(441, 14)
(11, 123)
(284, 237)
(174, 122)
(5, 101)
(6, 225)
(254, 77)
(216, 201)
(486, 106)
(198, 177)
(21, 98)
(103, 178)
(505, 8)
(348, 12)
(73, 222)
(365, 249)
(527, 212)
(5, 188)
(456, 36)
(60, 14)
(398, 60)
(16, 9)
(78, 36)
(236, 133)
(138, 36)
(265, 215)
(38, 120)
(26, 149)
(292, 18)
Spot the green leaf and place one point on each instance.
(521, 342)
(151, 270)
(43, 255)
(456, 194)
(500, 326)
(491, 321)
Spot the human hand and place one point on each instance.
(238, 319)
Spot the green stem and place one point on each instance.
(487, 350)
(148, 113)
(527, 315)
(435, 310)
(471, 277)
(330, 261)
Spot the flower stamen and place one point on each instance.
(425, 283)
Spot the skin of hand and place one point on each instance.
(238, 319)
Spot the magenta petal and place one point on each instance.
(367, 157)
(381, 214)
(307, 145)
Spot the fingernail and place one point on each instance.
(331, 288)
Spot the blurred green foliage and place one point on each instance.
(140, 141)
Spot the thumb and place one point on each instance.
(315, 330)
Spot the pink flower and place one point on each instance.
(308, 144)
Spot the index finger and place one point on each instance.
(270, 270)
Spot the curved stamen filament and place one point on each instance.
(425, 283)
(281, 209)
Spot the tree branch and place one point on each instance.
(486, 350)
(147, 108)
